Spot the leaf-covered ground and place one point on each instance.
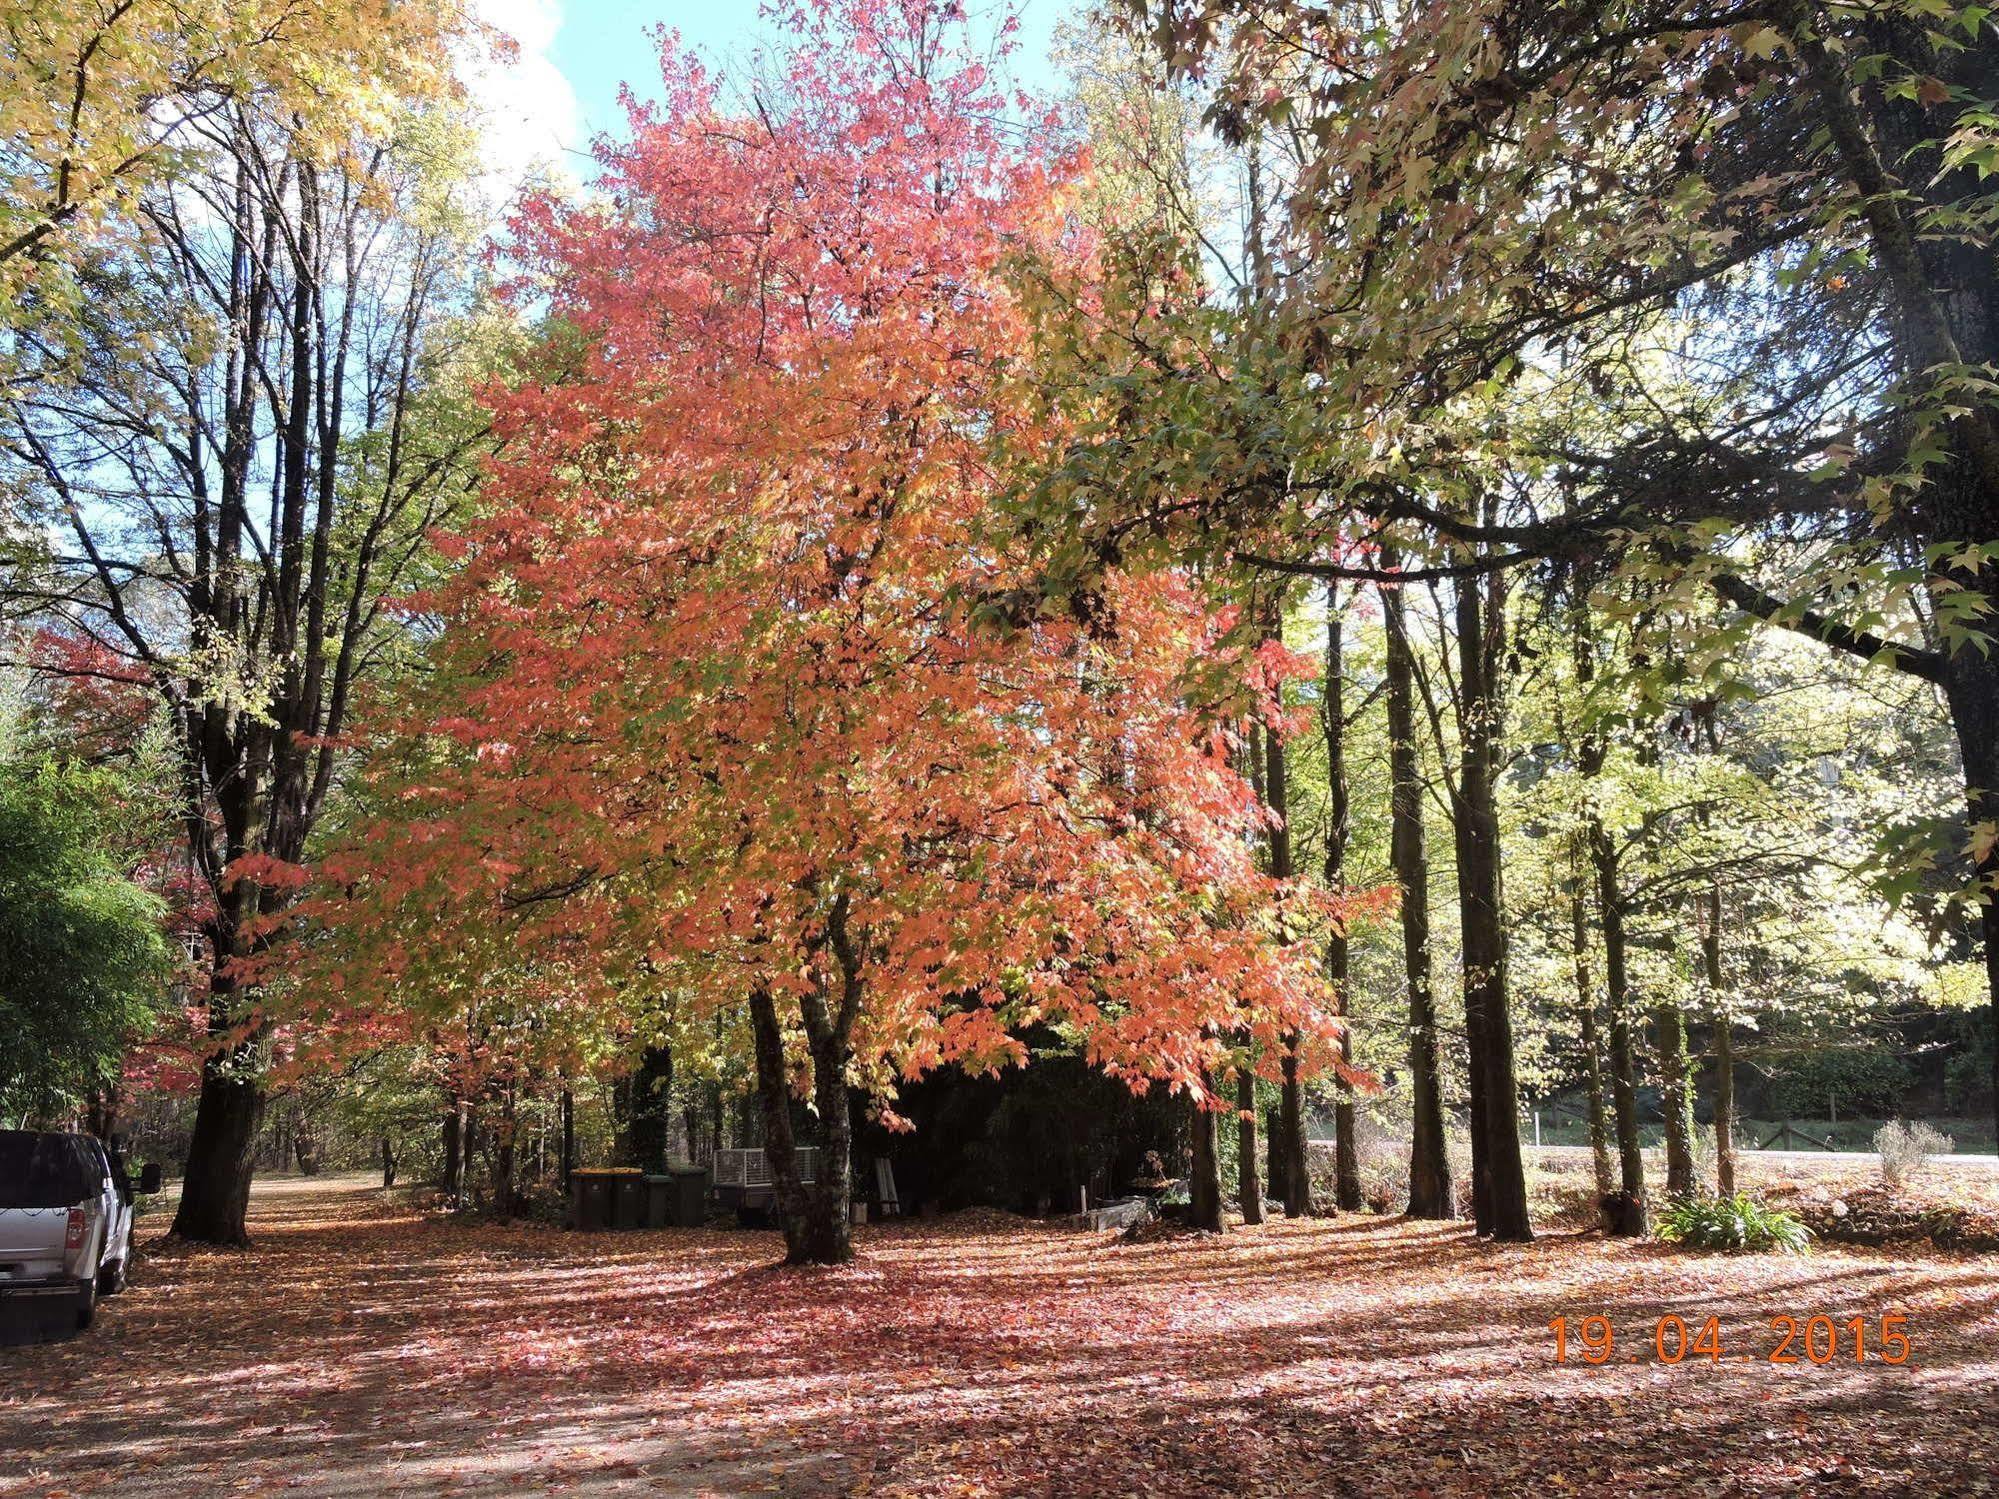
(363, 1348)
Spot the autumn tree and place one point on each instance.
(1744, 238)
(739, 691)
(230, 464)
(109, 100)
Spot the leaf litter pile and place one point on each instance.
(363, 1347)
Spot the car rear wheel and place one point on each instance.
(111, 1279)
(86, 1303)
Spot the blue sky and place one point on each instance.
(543, 108)
(602, 43)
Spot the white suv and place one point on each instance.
(65, 1218)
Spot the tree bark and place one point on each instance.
(1204, 1181)
(452, 1179)
(1724, 1104)
(1973, 693)
(808, 1237)
(221, 1153)
(1670, 1026)
(503, 1155)
(568, 1136)
(469, 1132)
(816, 1218)
(100, 1116)
(1629, 1217)
(1339, 829)
(215, 1185)
(1291, 1176)
(651, 1101)
(1430, 1186)
(827, 1236)
(1599, 1129)
(1499, 1176)
(1293, 1164)
(1249, 1176)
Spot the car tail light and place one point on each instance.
(78, 1227)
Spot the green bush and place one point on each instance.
(1856, 1080)
(1732, 1223)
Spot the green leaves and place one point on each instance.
(84, 961)
(1739, 1223)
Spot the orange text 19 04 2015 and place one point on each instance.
(1814, 1339)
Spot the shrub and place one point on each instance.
(1732, 1223)
(1858, 1082)
(1906, 1148)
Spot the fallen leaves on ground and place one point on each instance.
(361, 1347)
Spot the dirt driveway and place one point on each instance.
(363, 1347)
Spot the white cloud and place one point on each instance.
(529, 120)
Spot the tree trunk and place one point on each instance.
(828, 1238)
(1204, 1182)
(1249, 1178)
(1430, 1186)
(503, 1155)
(1630, 1215)
(1477, 1120)
(1274, 1170)
(816, 1218)
(452, 1180)
(215, 1188)
(650, 1104)
(1339, 829)
(1599, 1129)
(1293, 1161)
(1724, 1104)
(808, 1237)
(1670, 1025)
(1290, 1177)
(1499, 1177)
(100, 1115)
(568, 1137)
(221, 1153)
(305, 1148)
(388, 1163)
(1625, 1211)
(1972, 689)
(469, 1131)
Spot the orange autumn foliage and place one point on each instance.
(736, 670)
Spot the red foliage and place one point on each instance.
(736, 667)
(101, 700)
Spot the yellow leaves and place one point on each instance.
(1760, 42)
(95, 100)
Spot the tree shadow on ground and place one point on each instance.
(363, 1348)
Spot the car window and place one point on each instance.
(44, 1170)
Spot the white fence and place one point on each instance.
(751, 1168)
